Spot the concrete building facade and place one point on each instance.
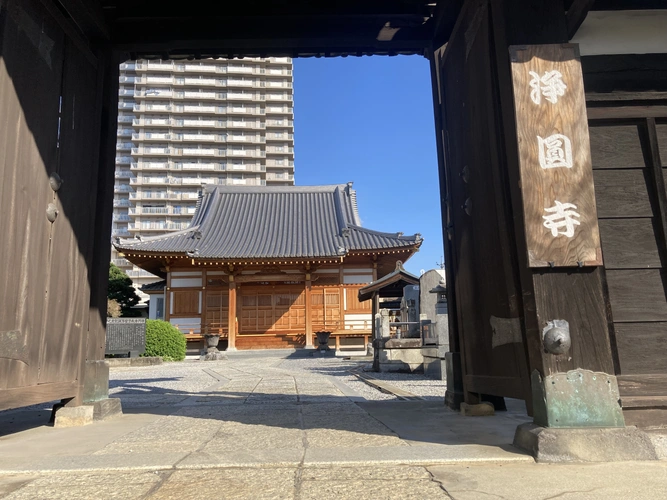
(186, 124)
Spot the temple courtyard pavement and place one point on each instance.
(292, 425)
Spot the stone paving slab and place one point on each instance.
(610, 481)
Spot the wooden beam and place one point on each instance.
(576, 14)
(444, 19)
(626, 112)
(88, 16)
(26, 396)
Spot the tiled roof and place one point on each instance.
(158, 286)
(394, 282)
(272, 222)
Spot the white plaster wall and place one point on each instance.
(623, 32)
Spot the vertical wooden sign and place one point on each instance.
(559, 209)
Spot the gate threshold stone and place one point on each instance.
(593, 444)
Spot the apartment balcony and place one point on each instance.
(279, 123)
(121, 188)
(245, 70)
(242, 110)
(281, 110)
(279, 163)
(238, 124)
(128, 66)
(198, 82)
(125, 92)
(128, 79)
(121, 203)
(273, 136)
(198, 123)
(158, 226)
(255, 167)
(150, 165)
(155, 66)
(149, 211)
(199, 137)
(201, 68)
(151, 151)
(270, 176)
(121, 262)
(125, 119)
(152, 122)
(186, 108)
(255, 139)
(154, 108)
(198, 152)
(151, 136)
(202, 166)
(255, 153)
(121, 233)
(279, 150)
(278, 71)
(233, 82)
(124, 146)
(241, 96)
(277, 97)
(151, 79)
(123, 174)
(123, 160)
(124, 132)
(280, 60)
(126, 105)
(154, 94)
(278, 84)
(140, 274)
(121, 218)
(150, 181)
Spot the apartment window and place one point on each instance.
(280, 161)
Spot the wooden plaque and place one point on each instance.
(559, 209)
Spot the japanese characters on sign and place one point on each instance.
(554, 154)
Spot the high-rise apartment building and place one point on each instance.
(184, 124)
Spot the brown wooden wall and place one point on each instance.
(51, 104)
(629, 160)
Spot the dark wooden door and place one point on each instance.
(479, 227)
(50, 101)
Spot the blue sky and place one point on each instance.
(370, 120)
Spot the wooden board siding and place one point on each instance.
(185, 303)
(631, 197)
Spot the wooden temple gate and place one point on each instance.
(58, 97)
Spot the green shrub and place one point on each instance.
(164, 340)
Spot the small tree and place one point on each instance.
(121, 290)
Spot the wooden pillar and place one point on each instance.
(231, 337)
(309, 315)
(167, 297)
(375, 305)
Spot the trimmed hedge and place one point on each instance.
(164, 340)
